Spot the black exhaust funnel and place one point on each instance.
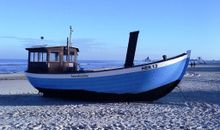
(129, 61)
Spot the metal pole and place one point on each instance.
(68, 52)
(70, 37)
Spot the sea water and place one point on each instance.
(12, 65)
(20, 65)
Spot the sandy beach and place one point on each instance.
(194, 104)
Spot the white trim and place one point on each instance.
(110, 72)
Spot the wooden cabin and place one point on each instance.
(56, 59)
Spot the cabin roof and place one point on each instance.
(40, 48)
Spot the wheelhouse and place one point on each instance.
(56, 59)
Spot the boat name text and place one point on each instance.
(80, 76)
(148, 67)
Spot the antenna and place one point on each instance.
(42, 38)
(70, 36)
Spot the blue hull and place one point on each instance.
(96, 96)
(149, 82)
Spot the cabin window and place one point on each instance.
(65, 58)
(44, 57)
(33, 57)
(54, 56)
(38, 56)
(71, 58)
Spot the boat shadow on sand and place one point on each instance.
(174, 98)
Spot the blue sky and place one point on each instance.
(101, 28)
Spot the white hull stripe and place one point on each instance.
(109, 73)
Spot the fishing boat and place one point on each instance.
(55, 71)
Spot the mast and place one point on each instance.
(132, 43)
(70, 36)
(69, 44)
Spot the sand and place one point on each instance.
(12, 76)
(194, 104)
